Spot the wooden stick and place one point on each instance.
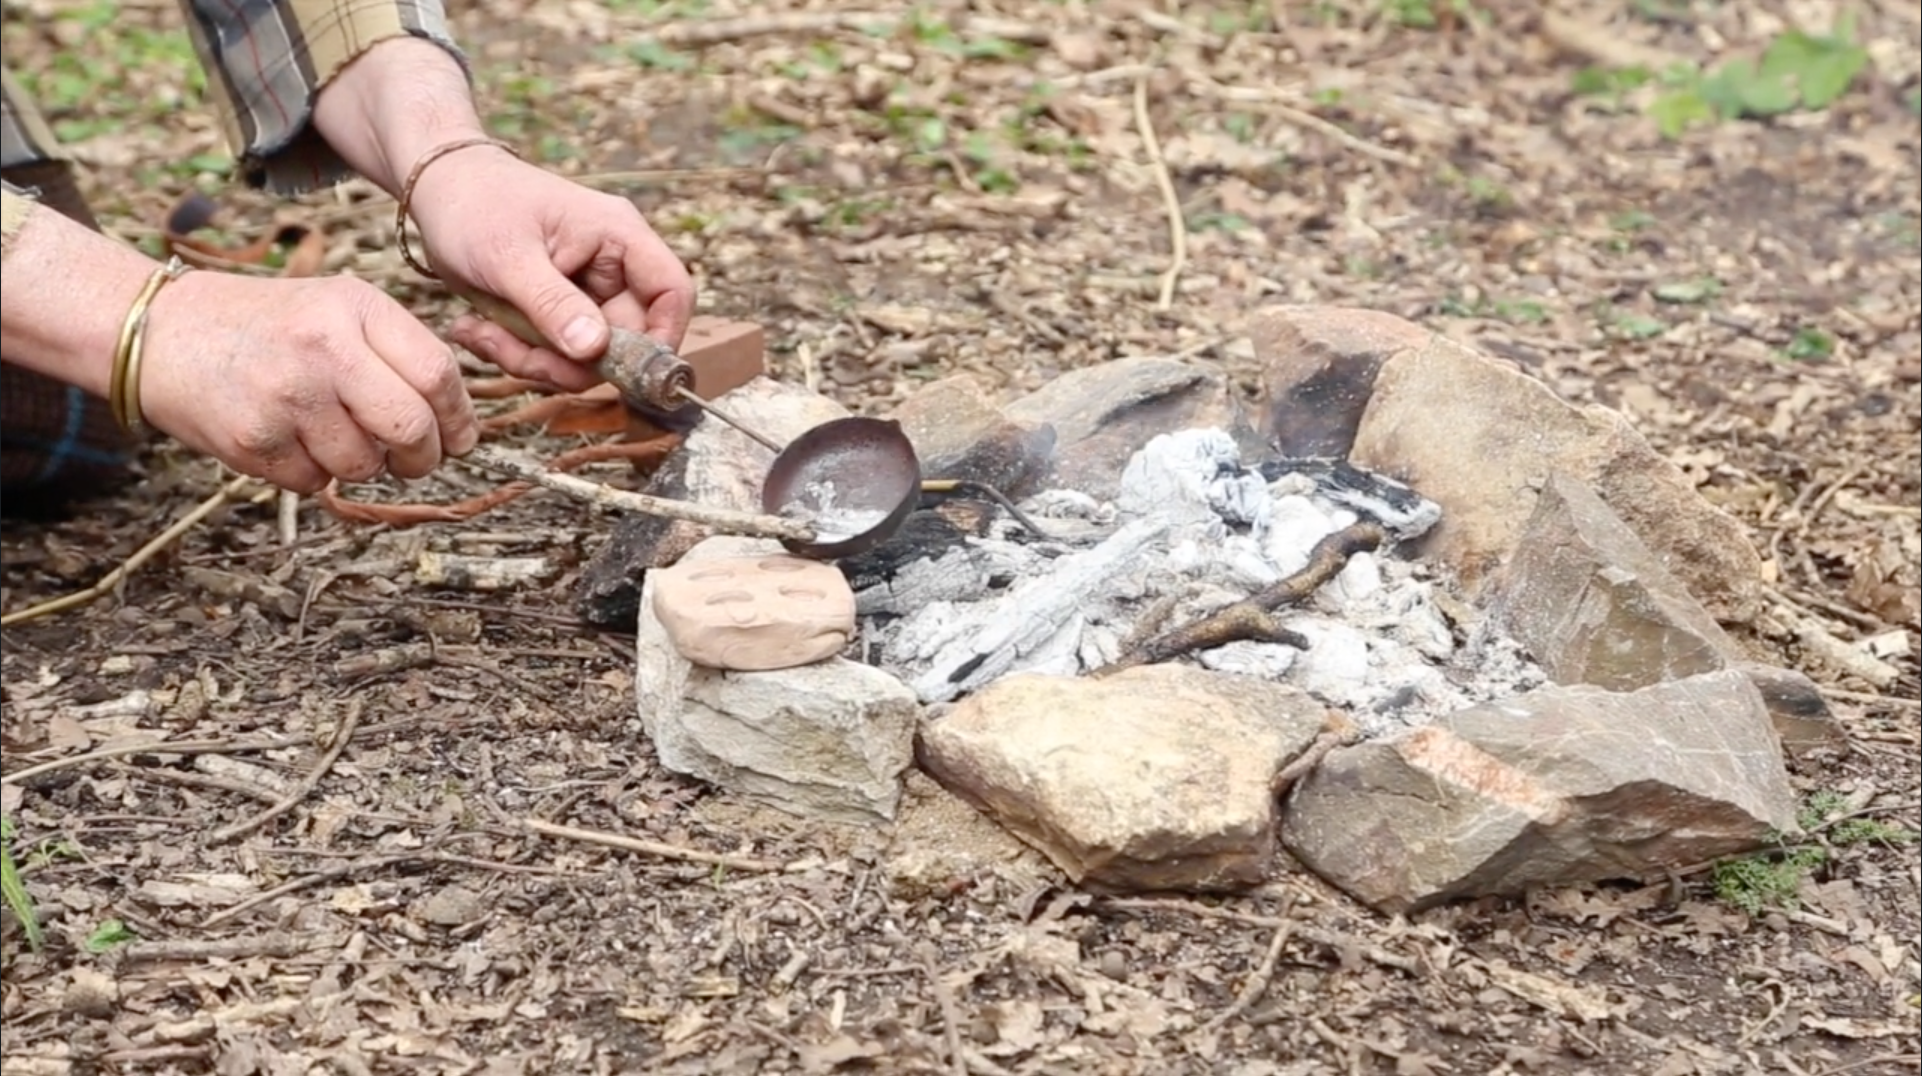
(725, 520)
(1170, 201)
(307, 783)
(132, 564)
(1257, 984)
(1253, 618)
(655, 848)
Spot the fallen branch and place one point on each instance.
(1170, 201)
(1253, 617)
(950, 1018)
(1340, 941)
(1257, 984)
(1337, 730)
(301, 790)
(725, 520)
(141, 556)
(655, 849)
(1843, 657)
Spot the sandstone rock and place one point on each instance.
(1157, 777)
(1104, 414)
(1554, 787)
(940, 842)
(753, 614)
(1594, 606)
(827, 740)
(1481, 439)
(960, 434)
(1318, 366)
(717, 466)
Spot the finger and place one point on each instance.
(293, 470)
(336, 442)
(558, 309)
(266, 449)
(664, 288)
(386, 408)
(505, 350)
(425, 365)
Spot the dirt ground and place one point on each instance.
(897, 198)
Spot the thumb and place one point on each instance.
(564, 314)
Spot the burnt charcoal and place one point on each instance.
(929, 531)
(1398, 508)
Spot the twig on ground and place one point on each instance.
(950, 1018)
(1818, 640)
(132, 564)
(150, 747)
(305, 881)
(1170, 201)
(306, 786)
(1257, 984)
(1868, 698)
(1323, 936)
(288, 518)
(728, 521)
(654, 848)
(1337, 730)
(1252, 618)
(1270, 101)
(1911, 1060)
(194, 779)
(200, 950)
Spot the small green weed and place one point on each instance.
(1773, 879)
(15, 890)
(1797, 71)
(1809, 345)
(108, 934)
(1688, 292)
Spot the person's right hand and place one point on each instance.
(301, 381)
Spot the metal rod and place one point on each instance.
(695, 398)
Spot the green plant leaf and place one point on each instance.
(108, 934)
(1678, 110)
(14, 890)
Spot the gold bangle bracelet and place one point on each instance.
(124, 391)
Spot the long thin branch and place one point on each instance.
(132, 564)
(306, 785)
(1170, 201)
(725, 520)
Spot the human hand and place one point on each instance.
(574, 261)
(301, 381)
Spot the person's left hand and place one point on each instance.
(572, 260)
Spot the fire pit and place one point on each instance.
(1415, 620)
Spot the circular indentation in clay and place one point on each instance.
(806, 594)
(784, 564)
(729, 597)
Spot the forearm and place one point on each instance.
(68, 290)
(395, 102)
(271, 64)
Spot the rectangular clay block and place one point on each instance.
(725, 354)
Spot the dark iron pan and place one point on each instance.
(854, 480)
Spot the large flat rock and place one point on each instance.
(1555, 787)
(1157, 777)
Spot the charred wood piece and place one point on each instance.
(1252, 619)
(1400, 510)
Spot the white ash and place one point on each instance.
(1191, 531)
(831, 522)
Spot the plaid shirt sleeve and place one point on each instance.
(268, 60)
